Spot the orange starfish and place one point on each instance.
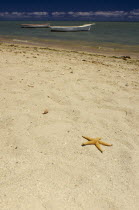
(96, 142)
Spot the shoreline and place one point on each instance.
(102, 49)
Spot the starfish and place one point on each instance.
(96, 142)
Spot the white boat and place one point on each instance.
(35, 25)
(85, 27)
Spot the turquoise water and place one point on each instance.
(103, 33)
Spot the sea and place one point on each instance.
(105, 36)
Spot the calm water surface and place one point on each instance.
(117, 34)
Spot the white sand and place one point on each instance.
(42, 163)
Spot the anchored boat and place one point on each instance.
(35, 25)
(85, 27)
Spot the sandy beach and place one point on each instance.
(42, 163)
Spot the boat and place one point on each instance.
(35, 25)
(85, 27)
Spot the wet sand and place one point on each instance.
(82, 46)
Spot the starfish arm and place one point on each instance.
(88, 143)
(104, 143)
(88, 138)
(91, 139)
(98, 146)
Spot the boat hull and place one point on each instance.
(34, 26)
(70, 28)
